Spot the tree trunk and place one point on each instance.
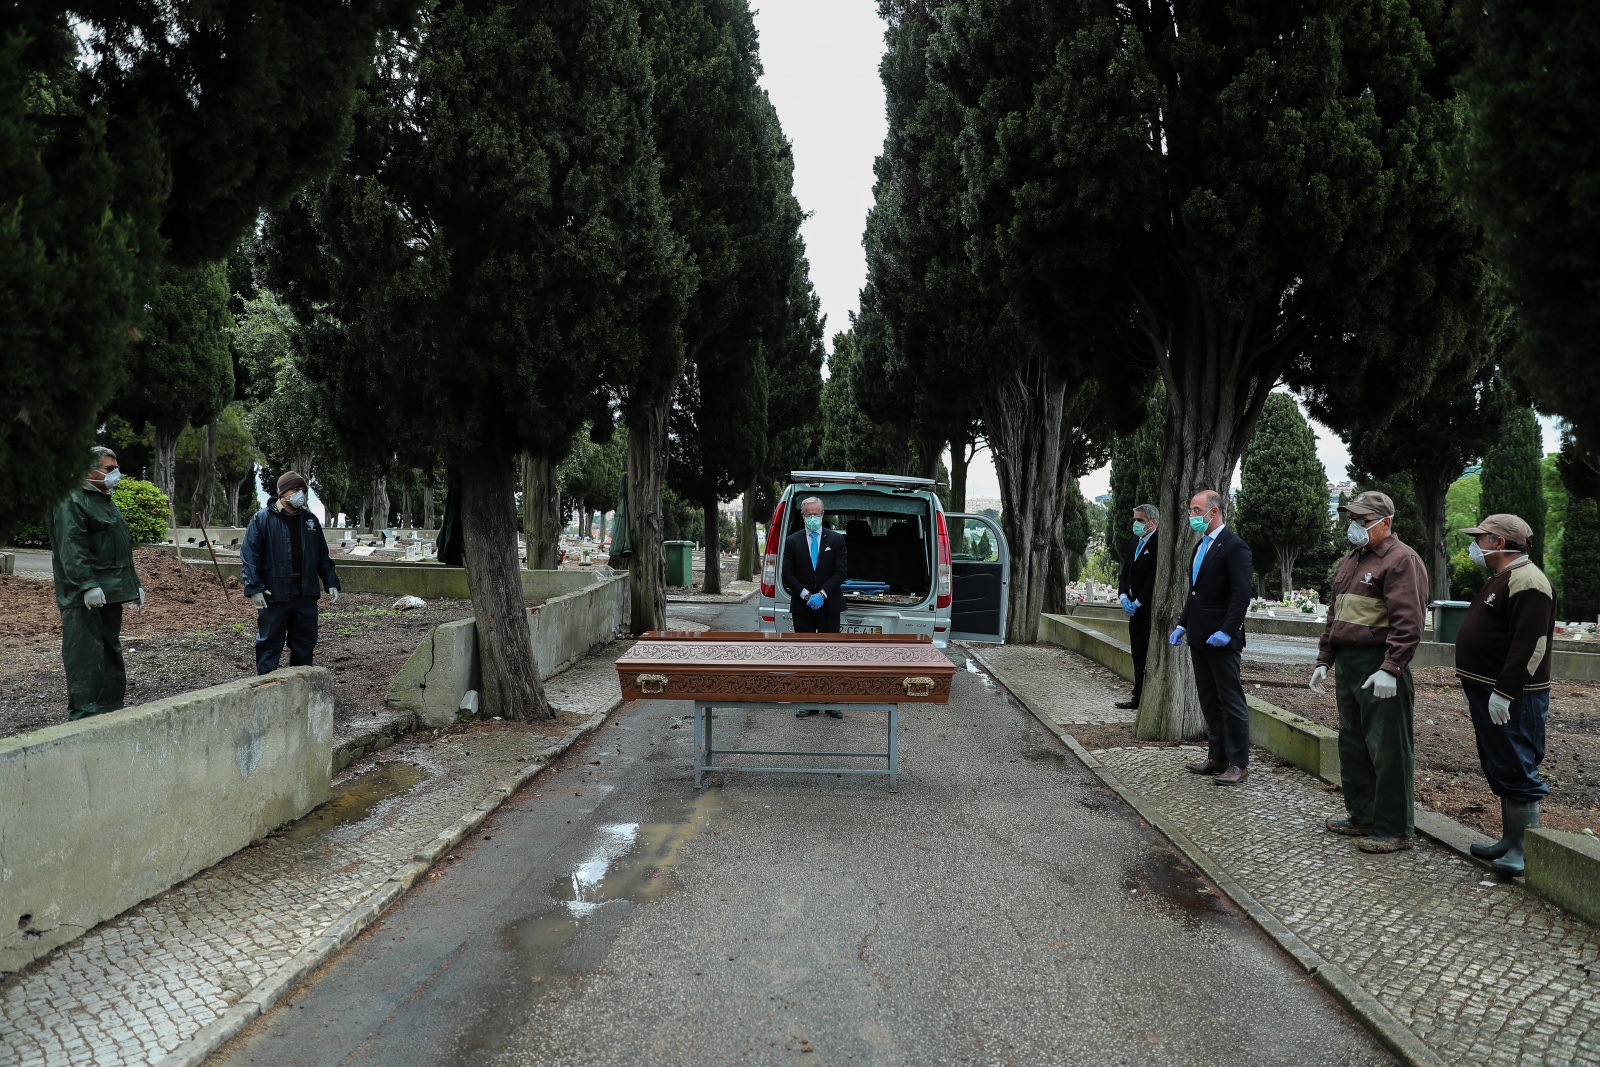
(1431, 492)
(647, 467)
(165, 474)
(302, 466)
(405, 505)
(1209, 417)
(205, 486)
(430, 518)
(1024, 416)
(1287, 554)
(713, 576)
(541, 523)
(380, 503)
(510, 686)
(235, 491)
(747, 535)
(959, 462)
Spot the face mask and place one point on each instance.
(112, 477)
(1475, 550)
(1138, 529)
(297, 499)
(1197, 524)
(813, 523)
(1357, 534)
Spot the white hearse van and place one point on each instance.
(912, 568)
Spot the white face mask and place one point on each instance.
(1357, 533)
(112, 477)
(297, 499)
(1475, 550)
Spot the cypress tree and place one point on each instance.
(1135, 475)
(1580, 561)
(1283, 492)
(1513, 475)
(492, 260)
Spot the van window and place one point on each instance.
(890, 540)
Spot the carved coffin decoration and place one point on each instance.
(823, 668)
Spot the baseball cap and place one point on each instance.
(1371, 502)
(1510, 527)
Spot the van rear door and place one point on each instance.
(980, 579)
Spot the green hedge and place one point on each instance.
(145, 508)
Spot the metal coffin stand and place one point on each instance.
(705, 753)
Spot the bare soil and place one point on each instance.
(191, 635)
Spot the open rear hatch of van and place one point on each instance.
(890, 540)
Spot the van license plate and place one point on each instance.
(861, 629)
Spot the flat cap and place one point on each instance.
(290, 480)
(1371, 502)
(1510, 527)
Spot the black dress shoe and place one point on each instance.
(805, 713)
(1126, 705)
(835, 714)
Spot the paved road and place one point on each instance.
(1002, 908)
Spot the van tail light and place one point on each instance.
(769, 566)
(944, 565)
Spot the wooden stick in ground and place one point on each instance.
(211, 548)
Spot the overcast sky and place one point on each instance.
(821, 60)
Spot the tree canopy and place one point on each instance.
(1283, 490)
(1513, 474)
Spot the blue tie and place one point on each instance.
(814, 539)
(1199, 557)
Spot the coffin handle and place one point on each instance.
(652, 683)
(920, 686)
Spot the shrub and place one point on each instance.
(144, 507)
(1466, 577)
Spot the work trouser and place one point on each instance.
(1510, 755)
(1377, 766)
(1139, 645)
(91, 653)
(295, 619)
(1216, 683)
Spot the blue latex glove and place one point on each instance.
(1176, 637)
(1127, 604)
(815, 603)
(1218, 640)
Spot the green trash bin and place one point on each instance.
(680, 565)
(1447, 616)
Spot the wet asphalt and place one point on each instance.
(1003, 908)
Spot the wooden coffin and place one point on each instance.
(815, 668)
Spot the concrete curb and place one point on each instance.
(718, 602)
(1388, 1029)
(195, 1051)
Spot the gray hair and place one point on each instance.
(811, 500)
(98, 453)
(1149, 511)
(1214, 500)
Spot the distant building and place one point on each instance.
(1103, 499)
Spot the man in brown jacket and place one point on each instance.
(1374, 627)
(1503, 661)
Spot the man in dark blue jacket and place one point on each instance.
(1219, 596)
(1137, 586)
(285, 557)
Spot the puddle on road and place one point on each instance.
(357, 799)
(983, 676)
(1176, 889)
(628, 864)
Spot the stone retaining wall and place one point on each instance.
(101, 814)
(564, 628)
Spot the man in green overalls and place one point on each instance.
(93, 562)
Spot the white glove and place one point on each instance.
(1316, 678)
(333, 595)
(94, 598)
(1499, 709)
(1383, 684)
(140, 605)
(259, 600)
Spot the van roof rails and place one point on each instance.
(893, 481)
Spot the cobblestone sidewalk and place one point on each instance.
(1083, 697)
(169, 980)
(1482, 972)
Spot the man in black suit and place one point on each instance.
(1137, 584)
(815, 566)
(1219, 596)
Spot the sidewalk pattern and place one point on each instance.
(133, 990)
(1085, 697)
(1482, 972)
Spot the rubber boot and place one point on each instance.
(1520, 818)
(1502, 846)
